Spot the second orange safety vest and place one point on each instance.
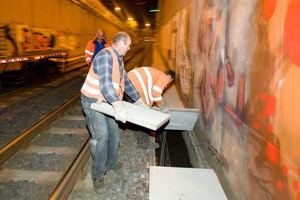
(90, 48)
(150, 83)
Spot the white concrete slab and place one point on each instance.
(182, 119)
(172, 97)
(136, 114)
(169, 183)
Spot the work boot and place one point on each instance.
(98, 185)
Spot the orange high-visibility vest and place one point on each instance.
(150, 83)
(91, 86)
(90, 48)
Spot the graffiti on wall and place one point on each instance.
(244, 77)
(276, 67)
(219, 76)
(226, 72)
(247, 57)
(178, 54)
(183, 65)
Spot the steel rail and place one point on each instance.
(10, 149)
(65, 186)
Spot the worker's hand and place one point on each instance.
(164, 108)
(141, 103)
(120, 112)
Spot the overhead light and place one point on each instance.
(117, 8)
(130, 18)
(154, 10)
(147, 24)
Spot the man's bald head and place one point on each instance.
(100, 35)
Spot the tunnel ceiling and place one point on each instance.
(139, 10)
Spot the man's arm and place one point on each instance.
(130, 89)
(89, 53)
(158, 88)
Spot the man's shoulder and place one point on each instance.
(90, 42)
(104, 53)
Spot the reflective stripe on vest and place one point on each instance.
(88, 52)
(138, 75)
(148, 93)
(91, 86)
(157, 89)
(150, 85)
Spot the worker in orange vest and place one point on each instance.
(94, 46)
(107, 81)
(150, 83)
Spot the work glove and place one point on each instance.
(141, 103)
(164, 108)
(99, 101)
(120, 112)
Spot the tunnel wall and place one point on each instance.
(73, 24)
(238, 62)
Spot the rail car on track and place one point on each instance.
(27, 52)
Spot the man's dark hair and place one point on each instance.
(171, 73)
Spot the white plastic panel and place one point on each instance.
(169, 183)
(136, 114)
(182, 119)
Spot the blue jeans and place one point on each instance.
(105, 138)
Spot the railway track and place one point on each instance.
(22, 109)
(62, 135)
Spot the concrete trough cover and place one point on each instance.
(141, 116)
(169, 183)
(182, 119)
